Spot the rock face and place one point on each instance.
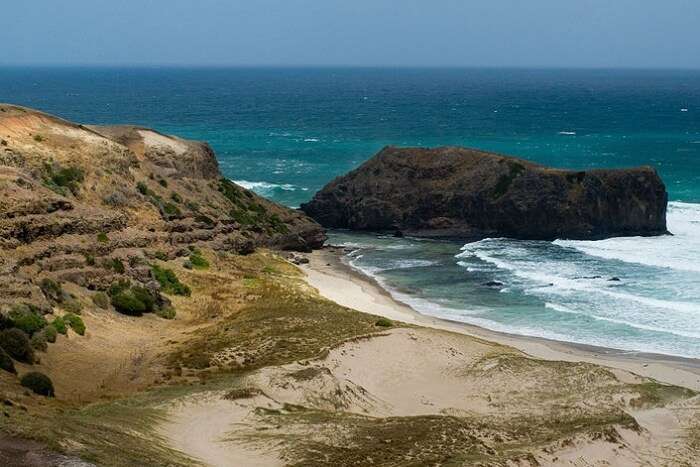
(76, 199)
(470, 194)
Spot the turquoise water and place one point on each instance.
(287, 132)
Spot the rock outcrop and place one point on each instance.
(469, 194)
(90, 205)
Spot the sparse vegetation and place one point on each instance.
(169, 282)
(176, 197)
(72, 305)
(166, 312)
(384, 322)
(198, 261)
(75, 322)
(17, 345)
(6, 362)
(102, 237)
(143, 188)
(504, 181)
(50, 333)
(51, 289)
(38, 138)
(38, 383)
(24, 318)
(161, 255)
(59, 179)
(101, 300)
(38, 342)
(116, 265)
(60, 325)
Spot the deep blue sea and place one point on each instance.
(286, 132)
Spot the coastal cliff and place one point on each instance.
(92, 205)
(471, 194)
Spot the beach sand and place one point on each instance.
(336, 280)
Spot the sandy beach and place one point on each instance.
(336, 280)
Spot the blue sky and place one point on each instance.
(519, 33)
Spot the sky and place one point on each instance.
(498, 33)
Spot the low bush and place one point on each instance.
(169, 281)
(90, 259)
(38, 342)
(38, 383)
(72, 305)
(75, 322)
(384, 323)
(22, 317)
(51, 333)
(142, 188)
(16, 343)
(102, 237)
(6, 362)
(176, 197)
(161, 255)
(166, 312)
(146, 297)
(116, 265)
(198, 261)
(101, 300)
(126, 303)
(59, 325)
(163, 182)
(51, 289)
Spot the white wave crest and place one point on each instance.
(680, 251)
(267, 188)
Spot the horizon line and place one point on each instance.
(345, 66)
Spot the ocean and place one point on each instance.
(286, 132)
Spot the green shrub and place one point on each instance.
(166, 312)
(384, 323)
(101, 300)
(6, 362)
(163, 182)
(51, 289)
(39, 383)
(102, 237)
(202, 219)
(161, 255)
(50, 333)
(198, 261)
(22, 317)
(118, 286)
(145, 296)
(16, 343)
(117, 265)
(68, 177)
(175, 197)
(90, 259)
(60, 325)
(75, 322)
(126, 303)
(170, 210)
(72, 305)
(142, 188)
(169, 282)
(38, 138)
(38, 342)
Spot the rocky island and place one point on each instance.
(470, 194)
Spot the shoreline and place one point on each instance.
(336, 280)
